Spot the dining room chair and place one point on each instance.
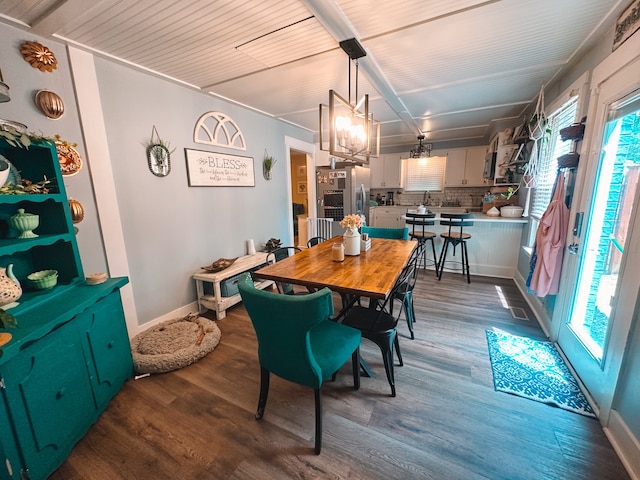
(378, 324)
(454, 236)
(315, 240)
(385, 232)
(298, 341)
(419, 231)
(280, 254)
(404, 293)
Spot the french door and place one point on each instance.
(601, 279)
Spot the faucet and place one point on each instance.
(426, 198)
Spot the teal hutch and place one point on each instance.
(70, 353)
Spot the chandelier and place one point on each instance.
(350, 129)
(421, 150)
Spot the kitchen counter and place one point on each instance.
(494, 245)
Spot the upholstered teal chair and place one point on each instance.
(297, 341)
(383, 232)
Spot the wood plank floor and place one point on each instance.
(447, 421)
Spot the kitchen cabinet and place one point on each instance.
(387, 171)
(389, 217)
(464, 166)
(70, 353)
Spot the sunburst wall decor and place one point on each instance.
(39, 56)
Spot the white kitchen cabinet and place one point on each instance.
(465, 166)
(389, 217)
(387, 171)
(474, 165)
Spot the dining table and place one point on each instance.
(371, 274)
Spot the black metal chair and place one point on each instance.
(419, 223)
(280, 254)
(405, 291)
(455, 236)
(315, 240)
(378, 325)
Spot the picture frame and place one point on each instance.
(302, 187)
(302, 171)
(217, 169)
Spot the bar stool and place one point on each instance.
(419, 222)
(455, 236)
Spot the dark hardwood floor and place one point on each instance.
(447, 421)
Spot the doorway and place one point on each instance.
(302, 191)
(601, 280)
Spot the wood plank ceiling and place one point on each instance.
(452, 69)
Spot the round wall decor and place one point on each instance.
(69, 158)
(49, 103)
(77, 210)
(39, 56)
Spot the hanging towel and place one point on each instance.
(550, 241)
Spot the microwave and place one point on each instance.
(489, 165)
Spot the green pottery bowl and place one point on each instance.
(43, 279)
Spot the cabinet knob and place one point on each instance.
(110, 344)
(61, 393)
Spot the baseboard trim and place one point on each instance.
(536, 305)
(624, 443)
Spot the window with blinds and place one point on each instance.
(551, 150)
(425, 174)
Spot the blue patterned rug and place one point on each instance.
(535, 370)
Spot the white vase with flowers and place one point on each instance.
(351, 236)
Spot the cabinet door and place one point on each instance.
(107, 347)
(9, 460)
(49, 398)
(387, 217)
(454, 175)
(376, 167)
(393, 171)
(474, 165)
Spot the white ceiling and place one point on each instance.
(451, 69)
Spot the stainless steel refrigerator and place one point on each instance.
(342, 191)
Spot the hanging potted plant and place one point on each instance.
(267, 165)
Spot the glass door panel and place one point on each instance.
(611, 212)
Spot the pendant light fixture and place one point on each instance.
(352, 132)
(421, 150)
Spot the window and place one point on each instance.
(547, 170)
(551, 150)
(425, 174)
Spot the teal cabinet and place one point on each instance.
(70, 353)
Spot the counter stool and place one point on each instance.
(419, 232)
(455, 236)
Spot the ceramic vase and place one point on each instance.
(351, 241)
(24, 223)
(10, 289)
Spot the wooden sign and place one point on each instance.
(627, 24)
(214, 169)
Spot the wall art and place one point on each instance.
(49, 103)
(216, 128)
(39, 56)
(215, 169)
(158, 155)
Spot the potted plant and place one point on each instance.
(267, 165)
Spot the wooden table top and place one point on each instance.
(371, 274)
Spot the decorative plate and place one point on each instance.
(219, 265)
(69, 158)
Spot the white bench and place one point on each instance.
(214, 300)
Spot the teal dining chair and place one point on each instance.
(298, 342)
(384, 232)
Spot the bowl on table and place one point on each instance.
(511, 211)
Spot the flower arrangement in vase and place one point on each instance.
(351, 236)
